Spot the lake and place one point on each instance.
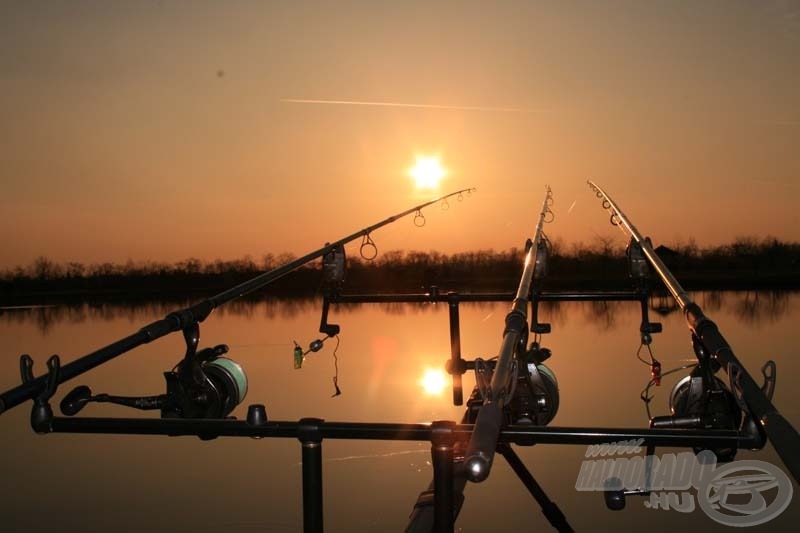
(64, 482)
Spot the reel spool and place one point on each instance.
(536, 399)
(208, 386)
(547, 398)
(229, 380)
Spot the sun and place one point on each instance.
(427, 172)
(433, 381)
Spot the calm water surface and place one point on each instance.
(62, 482)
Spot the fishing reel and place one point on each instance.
(208, 386)
(697, 402)
(535, 401)
(701, 400)
(204, 384)
(533, 396)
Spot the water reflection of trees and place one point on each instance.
(141, 311)
(711, 300)
(553, 313)
(751, 307)
(602, 314)
(759, 307)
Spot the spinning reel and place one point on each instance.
(703, 401)
(204, 384)
(533, 396)
(536, 399)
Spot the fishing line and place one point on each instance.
(645, 394)
(370, 456)
(260, 344)
(650, 350)
(338, 391)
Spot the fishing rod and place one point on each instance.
(187, 319)
(513, 350)
(514, 399)
(713, 352)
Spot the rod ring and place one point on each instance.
(445, 205)
(368, 244)
(606, 205)
(419, 219)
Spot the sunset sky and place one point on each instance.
(161, 130)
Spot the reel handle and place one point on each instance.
(77, 399)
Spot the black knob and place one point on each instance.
(76, 400)
(256, 415)
(614, 494)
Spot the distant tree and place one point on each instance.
(268, 261)
(75, 270)
(43, 268)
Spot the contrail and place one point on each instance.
(399, 104)
(780, 122)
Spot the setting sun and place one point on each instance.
(427, 172)
(433, 381)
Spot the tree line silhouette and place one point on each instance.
(747, 262)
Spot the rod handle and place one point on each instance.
(785, 440)
(483, 443)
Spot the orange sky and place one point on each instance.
(161, 130)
